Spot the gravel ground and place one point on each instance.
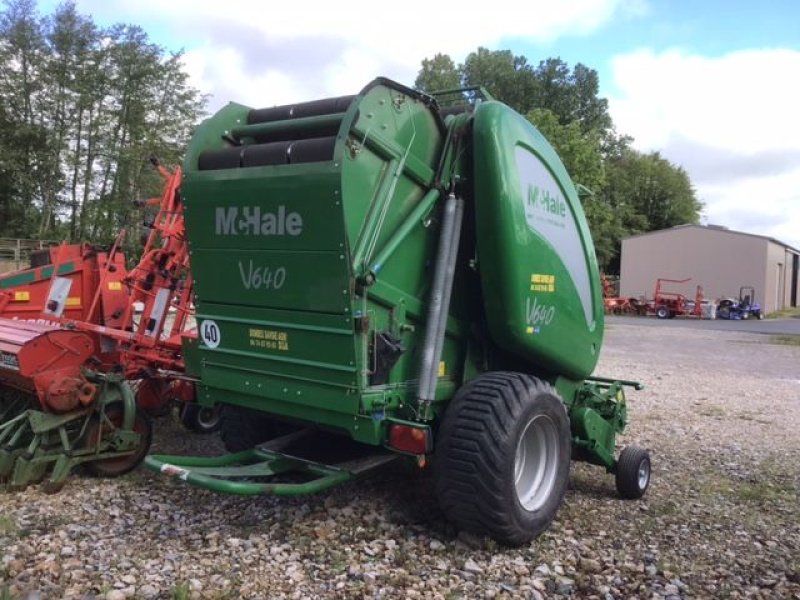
(720, 414)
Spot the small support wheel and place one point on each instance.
(117, 465)
(633, 472)
(201, 419)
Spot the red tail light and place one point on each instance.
(406, 438)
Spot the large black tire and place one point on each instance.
(633, 472)
(662, 312)
(487, 481)
(201, 419)
(243, 428)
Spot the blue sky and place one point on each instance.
(712, 85)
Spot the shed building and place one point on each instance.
(719, 259)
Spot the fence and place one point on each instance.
(15, 254)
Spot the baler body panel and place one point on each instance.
(538, 268)
(299, 338)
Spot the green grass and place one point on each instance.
(785, 340)
(8, 526)
(181, 591)
(761, 493)
(785, 313)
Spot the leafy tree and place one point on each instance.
(630, 192)
(655, 188)
(507, 77)
(438, 73)
(580, 152)
(83, 108)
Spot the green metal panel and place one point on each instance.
(29, 275)
(538, 268)
(312, 281)
(287, 323)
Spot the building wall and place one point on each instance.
(780, 262)
(721, 261)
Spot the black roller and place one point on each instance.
(227, 158)
(262, 155)
(314, 108)
(455, 110)
(313, 150)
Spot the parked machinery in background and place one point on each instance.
(745, 307)
(668, 305)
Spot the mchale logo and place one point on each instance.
(253, 222)
(543, 199)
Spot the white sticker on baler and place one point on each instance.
(548, 213)
(210, 334)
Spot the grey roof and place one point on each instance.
(715, 228)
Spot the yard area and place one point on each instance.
(720, 414)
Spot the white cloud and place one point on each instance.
(363, 38)
(730, 121)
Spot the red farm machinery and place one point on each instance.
(670, 304)
(74, 328)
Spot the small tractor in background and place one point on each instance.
(745, 307)
(414, 283)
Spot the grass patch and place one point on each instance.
(181, 591)
(761, 493)
(8, 526)
(785, 340)
(785, 313)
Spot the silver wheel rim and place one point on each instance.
(207, 418)
(536, 462)
(644, 474)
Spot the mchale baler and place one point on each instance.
(421, 283)
(72, 344)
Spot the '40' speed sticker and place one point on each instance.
(209, 333)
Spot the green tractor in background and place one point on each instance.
(419, 282)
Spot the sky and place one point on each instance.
(714, 85)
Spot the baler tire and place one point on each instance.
(115, 467)
(480, 462)
(243, 428)
(662, 312)
(633, 472)
(201, 419)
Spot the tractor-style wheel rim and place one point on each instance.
(644, 474)
(536, 462)
(208, 418)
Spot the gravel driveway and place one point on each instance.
(720, 414)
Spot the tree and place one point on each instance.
(630, 192)
(579, 151)
(83, 109)
(508, 78)
(572, 95)
(438, 73)
(655, 188)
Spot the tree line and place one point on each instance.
(625, 192)
(82, 108)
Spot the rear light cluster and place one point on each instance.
(411, 439)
